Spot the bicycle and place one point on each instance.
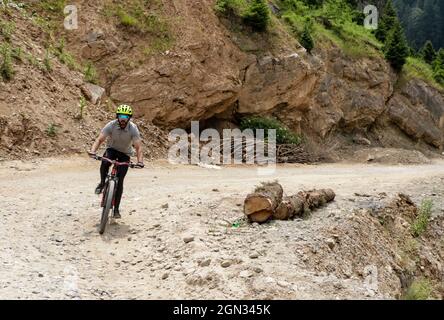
(109, 190)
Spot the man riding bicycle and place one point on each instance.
(122, 134)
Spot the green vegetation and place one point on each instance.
(283, 134)
(47, 62)
(387, 21)
(254, 13)
(227, 7)
(257, 15)
(332, 22)
(64, 56)
(7, 29)
(417, 68)
(438, 67)
(306, 39)
(17, 54)
(6, 67)
(420, 289)
(428, 52)
(90, 73)
(52, 6)
(82, 105)
(396, 50)
(421, 222)
(51, 130)
(136, 16)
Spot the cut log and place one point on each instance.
(260, 205)
(289, 207)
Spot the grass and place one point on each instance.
(7, 29)
(90, 73)
(420, 289)
(237, 7)
(137, 17)
(52, 6)
(6, 66)
(64, 56)
(417, 68)
(421, 222)
(159, 44)
(17, 54)
(47, 62)
(331, 25)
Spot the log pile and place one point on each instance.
(267, 202)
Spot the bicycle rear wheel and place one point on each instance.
(109, 195)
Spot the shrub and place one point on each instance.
(422, 220)
(90, 73)
(418, 290)
(6, 67)
(283, 134)
(257, 15)
(306, 39)
(230, 6)
(17, 54)
(7, 29)
(51, 130)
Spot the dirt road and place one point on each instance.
(51, 247)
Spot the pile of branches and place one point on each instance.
(285, 153)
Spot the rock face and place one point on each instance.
(215, 72)
(418, 110)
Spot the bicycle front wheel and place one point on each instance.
(109, 195)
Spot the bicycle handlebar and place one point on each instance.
(117, 163)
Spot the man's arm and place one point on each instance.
(139, 152)
(98, 143)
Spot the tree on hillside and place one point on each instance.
(386, 22)
(306, 38)
(428, 52)
(396, 48)
(438, 67)
(257, 15)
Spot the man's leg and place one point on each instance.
(121, 173)
(104, 168)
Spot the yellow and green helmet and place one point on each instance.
(124, 109)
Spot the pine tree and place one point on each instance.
(386, 22)
(428, 52)
(438, 67)
(396, 49)
(306, 38)
(257, 15)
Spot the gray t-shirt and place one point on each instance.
(121, 140)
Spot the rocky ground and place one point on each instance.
(183, 234)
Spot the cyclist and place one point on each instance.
(122, 134)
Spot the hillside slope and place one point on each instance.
(185, 62)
